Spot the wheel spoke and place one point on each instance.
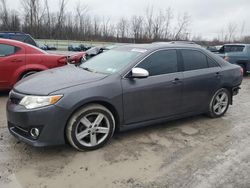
(223, 97)
(103, 130)
(99, 119)
(220, 109)
(93, 140)
(224, 104)
(216, 106)
(218, 98)
(82, 135)
(86, 122)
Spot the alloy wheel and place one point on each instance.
(220, 103)
(92, 129)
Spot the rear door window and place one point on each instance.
(6, 50)
(18, 37)
(212, 63)
(194, 60)
(233, 48)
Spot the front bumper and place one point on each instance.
(50, 121)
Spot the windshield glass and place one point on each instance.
(111, 61)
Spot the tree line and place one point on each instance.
(36, 18)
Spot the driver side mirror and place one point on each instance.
(139, 73)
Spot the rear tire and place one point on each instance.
(219, 103)
(90, 128)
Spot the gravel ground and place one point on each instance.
(192, 152)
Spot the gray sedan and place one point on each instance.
(124, 88)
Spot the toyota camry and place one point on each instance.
(124, 88)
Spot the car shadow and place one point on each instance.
(167, 126)
(170, 125)
(4, 93)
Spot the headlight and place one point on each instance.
(31, 102)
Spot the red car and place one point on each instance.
(19, 60)
(76, 58)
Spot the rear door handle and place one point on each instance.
(176, 81)
(218, 74)
(16, 60)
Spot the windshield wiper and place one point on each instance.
(90, 70)
(87, 69)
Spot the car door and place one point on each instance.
(12, 58)
(202, 77)
(156, 96)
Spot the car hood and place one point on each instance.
(46, 82)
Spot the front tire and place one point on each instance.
(90, 128)
(219, 103)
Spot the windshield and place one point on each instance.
(111, 61)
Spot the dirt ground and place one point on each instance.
(194, 152)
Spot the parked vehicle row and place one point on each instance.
(123, 88)
(47, 47)
(80, 57)
(78, 48)
(238, 54)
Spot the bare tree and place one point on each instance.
(82, 18)
(37, 19)
(122, 28)
(242, 30)
(4, 15)
(60, 16)
(167, 24)
(33, 16)
(182, 27)
(96, 26)
(232, 27)
(137, 27)
(158, 26)
(149, 21)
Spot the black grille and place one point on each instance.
(19, 130)
(15, 97)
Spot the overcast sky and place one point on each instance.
(208, 17)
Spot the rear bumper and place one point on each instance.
(50, 121)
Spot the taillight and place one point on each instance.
(226, 58)
(241, 71)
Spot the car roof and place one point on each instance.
(12, 41)
(18, 43)
(236, 44)
(159, 45)
(13, 32)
